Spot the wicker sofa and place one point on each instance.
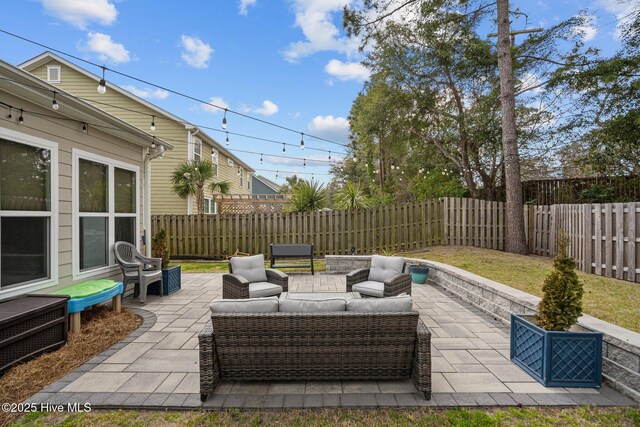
(341, 345)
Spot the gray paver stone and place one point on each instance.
(293, 401)
(234, 401)
(274, 401)
(156, 399)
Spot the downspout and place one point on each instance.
(152, 153)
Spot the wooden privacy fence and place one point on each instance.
(401, 227)
(605, 238)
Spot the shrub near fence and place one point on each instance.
(605, 238)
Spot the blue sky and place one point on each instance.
(285, 61)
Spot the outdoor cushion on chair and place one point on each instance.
(264, 289)
(383, 267)
(250, 267)
(369, 287)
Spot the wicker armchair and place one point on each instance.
(385, 278)
(248, 278)
(137, 269)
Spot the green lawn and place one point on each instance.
(222, 266)
(613, 300)
(581, 416)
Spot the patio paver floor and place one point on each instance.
(157, 365)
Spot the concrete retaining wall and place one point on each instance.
(621, 347)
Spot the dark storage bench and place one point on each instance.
(30, 325)
(291, 250)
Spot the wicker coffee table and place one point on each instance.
(319, 295)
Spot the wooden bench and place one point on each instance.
(291, 250)
(88, 294)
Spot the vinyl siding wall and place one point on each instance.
(163, 199)
(68, 135)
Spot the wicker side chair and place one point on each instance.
(137, 268)
(385, 278)
(248, 278)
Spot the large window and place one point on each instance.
(28, 211)
(197, 149)
(210, 206)
(214, 161)
(106, 210)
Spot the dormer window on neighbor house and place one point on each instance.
(53, 74)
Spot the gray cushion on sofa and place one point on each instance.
(250, 267)
(264, 289)
(368, 287)
(383, 267)
(380, 305)
(311, 305)
(247, 305)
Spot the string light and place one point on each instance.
(355, 159)
(84, 128)
(238, 170)
(284, 148)
(227, 139)
(9, 115)
(276, 174)
(260, 158)
(224, 120)
(329, 155)
(54, 102)
(153, 123)
(304, 163)
(20, 119)
(102, 86)
(153, 142)
(302, 140)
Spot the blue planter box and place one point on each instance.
(418, 274)
(171, 282)
(557, 358)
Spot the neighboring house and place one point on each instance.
(72, 182)
(262, 185)
(189, 141)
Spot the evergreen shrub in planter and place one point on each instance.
(171, 277)
(551, 346)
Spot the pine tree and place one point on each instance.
(561, 305)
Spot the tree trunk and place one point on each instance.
(200, 200)
(515, 236)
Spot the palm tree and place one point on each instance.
(189, 178)
(307, 196)
(351, 196)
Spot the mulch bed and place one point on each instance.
(101, 328)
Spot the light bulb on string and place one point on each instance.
(224, 120)
(302, 140)
(260, 158)
(84, 128)
(153, 142)
(238, 170)
(304, 163)
(102, 86)
(355, 159)
(54, 102)
(227, 140)
(153, 124)
(20, 119)
(329, 155)
(276, 174)
(284, 148)
(9, 115)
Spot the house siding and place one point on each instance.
(68, 135)
(163, 199)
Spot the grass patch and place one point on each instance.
(581, 416)
(613, 300)
(101, 328)
(223, 266)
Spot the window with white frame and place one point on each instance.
(214, 161)
(230, 162)
(106, 209)
(197, 149)
(241, 173)
(249, 180)
(210, 206)
(28, 211)
(53, 74)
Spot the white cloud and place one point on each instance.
(347, 70)
(215, 100)
(588, 30)
(244, 6)
(623, 10)
(330, 127)
(316, 19)
(147, 93)
(268, 108)
(80, 13)
(196, 53)
(106, 49)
